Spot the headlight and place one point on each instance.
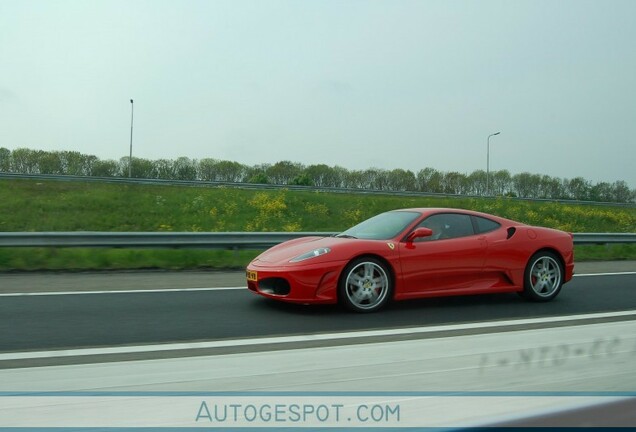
(314, 253)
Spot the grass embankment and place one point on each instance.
(28, 205)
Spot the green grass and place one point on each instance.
(80, 259)
(29, 205)
(617, 252)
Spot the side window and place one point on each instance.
(447, 225)
(484, 225)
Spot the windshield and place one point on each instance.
(382, 227)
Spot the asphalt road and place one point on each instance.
(49, 312)
(46, 322)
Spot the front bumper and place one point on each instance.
(316, 283)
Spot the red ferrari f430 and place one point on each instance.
(415, 253)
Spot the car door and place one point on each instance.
(451, 259)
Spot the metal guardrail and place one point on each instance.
(214, 240)
(606, 238)
(207, 240)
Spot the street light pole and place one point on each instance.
(132, 113)
(488, 162)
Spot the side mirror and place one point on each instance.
(419, 232)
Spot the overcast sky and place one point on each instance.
(357, 83)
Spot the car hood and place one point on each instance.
(341, 249)
(285, 251)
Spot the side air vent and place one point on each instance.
(511, 232)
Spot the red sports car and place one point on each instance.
(414, 253)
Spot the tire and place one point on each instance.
(365, 285)
(543, 277)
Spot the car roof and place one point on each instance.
(434, 210)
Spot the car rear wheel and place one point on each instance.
(543, 277)
(365, 285)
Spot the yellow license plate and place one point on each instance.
(252, 276)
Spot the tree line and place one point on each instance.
(500, 183)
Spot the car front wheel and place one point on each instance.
(365, 285)
(543, 277)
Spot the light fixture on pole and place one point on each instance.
(488, 162)
(132, 112)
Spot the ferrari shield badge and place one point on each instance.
(391, 246)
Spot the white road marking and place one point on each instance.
(606, 274)
(50, 293)
(143, 291)
(302, 338)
